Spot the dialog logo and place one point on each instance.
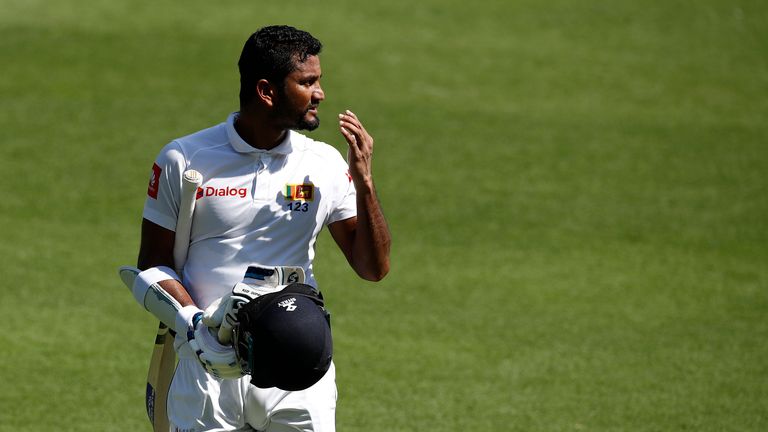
(210, 191)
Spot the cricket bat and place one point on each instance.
(163, 361)
(161, 367)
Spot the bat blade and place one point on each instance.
(161, 368)
(159, 376)
(154, 372)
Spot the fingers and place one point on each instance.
(349, 121)
(350, 117)
(354, 132)
(224, 333)
(214, 313)
(350, 127)
(348, 135)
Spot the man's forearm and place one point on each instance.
(372, 238)
(156, 250)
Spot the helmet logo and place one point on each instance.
(288, 304)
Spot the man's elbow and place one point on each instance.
(376, 273)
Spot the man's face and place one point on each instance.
(296, 105)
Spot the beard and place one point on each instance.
(297, 119)
(306, 123)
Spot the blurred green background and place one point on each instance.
(577, 193)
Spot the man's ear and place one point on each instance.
(266, 92)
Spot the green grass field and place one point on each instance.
(577, 191)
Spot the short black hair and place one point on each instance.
(271, 53)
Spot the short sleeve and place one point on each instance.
(345, 200)
(164, 190)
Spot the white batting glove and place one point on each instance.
(222, 313)
(217, 359)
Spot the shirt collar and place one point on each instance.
(241, 146)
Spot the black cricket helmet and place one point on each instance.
(283, 339)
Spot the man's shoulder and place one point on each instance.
(212, 136)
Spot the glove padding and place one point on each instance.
(217, 359)
(222, 313)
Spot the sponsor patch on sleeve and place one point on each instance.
(154, 181)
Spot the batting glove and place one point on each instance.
(222, 313)
(217, 359)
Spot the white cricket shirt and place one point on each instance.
(254, 207)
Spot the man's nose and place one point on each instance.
(318, 93)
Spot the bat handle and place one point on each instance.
(190, 183)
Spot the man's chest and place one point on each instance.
(262, 194)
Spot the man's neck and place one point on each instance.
(257, 134)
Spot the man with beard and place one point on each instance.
(267, 193)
